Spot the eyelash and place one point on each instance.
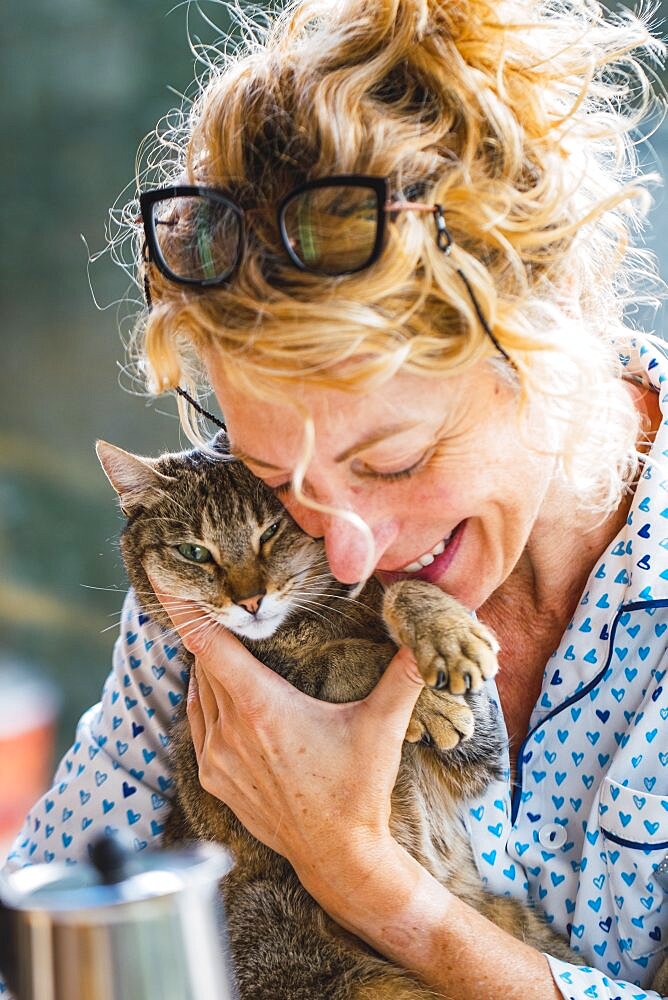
(387, 477)
(390, 477)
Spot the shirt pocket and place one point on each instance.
(635, 826)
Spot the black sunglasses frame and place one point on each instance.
(146, 202)
(379, 185)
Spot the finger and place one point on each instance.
(396, 692)
(211, 706)
(224, 658)
(195, 716)
(182, 614)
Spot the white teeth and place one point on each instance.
(427, 558)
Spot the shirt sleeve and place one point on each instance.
(116, 776)
(576, 982)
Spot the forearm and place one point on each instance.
(400, 910)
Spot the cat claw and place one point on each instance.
(454, 652)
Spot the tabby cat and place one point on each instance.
(207, 530)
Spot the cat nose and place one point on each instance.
(250, 604)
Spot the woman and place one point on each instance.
(435, 374)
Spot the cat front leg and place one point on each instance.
(453, 650)
(440, 720)
(454, 653)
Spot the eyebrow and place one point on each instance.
(387, 431)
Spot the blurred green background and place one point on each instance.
(83, 83)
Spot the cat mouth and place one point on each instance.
(257, 626)
(260, 627)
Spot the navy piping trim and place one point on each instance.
(631, 606)
(633, 843)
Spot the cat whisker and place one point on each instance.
(310, 609)
(315, 604)
(181, 633)
(119, 617)
(199, 628)
(327, 580)
(317, 576)
(321, 586)
(325, 597)
(336, 597)
(163, 632)
(174, 604)
(303, 574)
(108, 628)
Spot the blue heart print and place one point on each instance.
(581, 832)
(596, 728)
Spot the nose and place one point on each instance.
(251, 604)
(347, 547)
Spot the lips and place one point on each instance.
(431, 571)
(427, 558)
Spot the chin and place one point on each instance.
(262, 629)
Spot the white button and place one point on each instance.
(552, 836)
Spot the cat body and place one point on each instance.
(208, 531)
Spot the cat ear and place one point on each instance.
(133, 477)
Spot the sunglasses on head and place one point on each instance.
(332, 227)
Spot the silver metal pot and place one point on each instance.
(127, 926)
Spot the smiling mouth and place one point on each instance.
(431, 565)
(427, 558)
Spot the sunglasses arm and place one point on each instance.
(408, 206)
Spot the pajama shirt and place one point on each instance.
(582, 829)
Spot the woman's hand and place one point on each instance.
(310, 779)
(313, 781)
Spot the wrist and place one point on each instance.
(386, 898)
(380, 893)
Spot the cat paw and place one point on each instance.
(440, 720)
(453, 650)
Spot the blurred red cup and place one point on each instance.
(28, 712)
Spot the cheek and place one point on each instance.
(436, 497)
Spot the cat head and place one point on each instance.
(204, 529)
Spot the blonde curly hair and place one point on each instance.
(518, 116)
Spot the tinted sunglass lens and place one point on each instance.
(198, 237)
(332, 230)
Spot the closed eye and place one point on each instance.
(397, 474)
(367, 473)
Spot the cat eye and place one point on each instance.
(194, 553)
(269, 533)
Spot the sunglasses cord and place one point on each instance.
(200, 409)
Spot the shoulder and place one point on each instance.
(117, 773)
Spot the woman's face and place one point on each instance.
(436, 467)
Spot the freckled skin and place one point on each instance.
(483, 472)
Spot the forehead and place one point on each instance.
(406, 405)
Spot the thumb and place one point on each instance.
(220, 654)
(396, 692)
